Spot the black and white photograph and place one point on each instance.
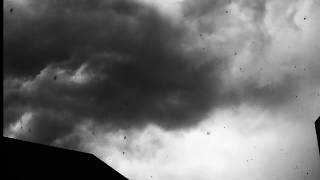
(168, 89)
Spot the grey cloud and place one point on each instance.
(147, 75)
(150, 78)
(257, 7)
(59, 31)
(271, 96)
(196, 9)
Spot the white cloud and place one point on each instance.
(20, 126)
(81, 76)
(245, 143)
(168, 8)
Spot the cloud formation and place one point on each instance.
(123, 64)
(117, 62)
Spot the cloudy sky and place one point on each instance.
(168, 89)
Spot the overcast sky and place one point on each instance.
(168, 89)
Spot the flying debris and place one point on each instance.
(208, 133)
(55, 78)
(125, 137)
(11, 10)
(235, 53)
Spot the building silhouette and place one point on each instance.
(26, 160)
(317, 125)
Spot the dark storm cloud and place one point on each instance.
(149, 77)
(141, 71)
(55, 31)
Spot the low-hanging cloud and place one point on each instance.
(120, 63)
(139, 71)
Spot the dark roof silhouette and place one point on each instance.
(317, 124)
(26, 160)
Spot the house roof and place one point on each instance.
(27, 160)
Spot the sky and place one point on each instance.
(168, 89)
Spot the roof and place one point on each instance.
(27, 160)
